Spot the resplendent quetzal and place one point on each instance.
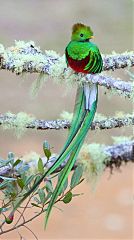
(82, 56)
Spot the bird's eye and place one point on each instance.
(81, 35)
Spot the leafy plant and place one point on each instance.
(15, 186)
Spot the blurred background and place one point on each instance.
(107, 212)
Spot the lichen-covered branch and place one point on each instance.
(117, 61)
(121, 87)
(119, 153)
(114, 157)
(107, 123)
(26, 57)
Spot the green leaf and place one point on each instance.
(10, 188)
(36, 200)
(8, 178)
(41, 166)
(68, 197)
(4, 162)
(41, 195)
(76, 176)
(16, 162)
(35, 205)
(46, 149)
(29, 180)
(11, 157)
(47, 153)
(4, 209)
(20, 183)
(49, 186)
(4, 184)
(64, 186)
(48, 196)
(35, 181)
(46, 145)
(13, 194)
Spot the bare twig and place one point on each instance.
(31, 231)
(107, 123)
(22, 213)
(21, 224)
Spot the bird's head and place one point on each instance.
(81, 32)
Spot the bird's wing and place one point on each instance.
(95, 63)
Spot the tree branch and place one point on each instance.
(118, 154)
(107, 123)
(117, 61)
(121, 87)
(115, 156)
(26, 57)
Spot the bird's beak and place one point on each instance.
(92, 37)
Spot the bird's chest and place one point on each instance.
(77, 57)
(78, 51)
(78, 65)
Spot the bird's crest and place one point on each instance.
(78, 26)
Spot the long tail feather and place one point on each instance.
(73, 151)
(61, 182)
(76, 122)
(77, 116)
(80, 125)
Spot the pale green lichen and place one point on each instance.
(99, 117)
(121, 139)
(119, 60)
(38, 84)
(92, 157)
(66, 116)
(114, 91)
(38, 61)
(57, 70)
(52, 54)
(120, 114)
(132, 93)
(22, 44)
(18, 122)
(32, 160)
(69, 116)
(14, 58)
(1, 49)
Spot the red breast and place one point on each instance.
(78, 65)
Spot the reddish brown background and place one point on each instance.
(107, 213)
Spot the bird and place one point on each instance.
(83, 56)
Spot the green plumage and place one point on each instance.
(82, 56)
(80, 50)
